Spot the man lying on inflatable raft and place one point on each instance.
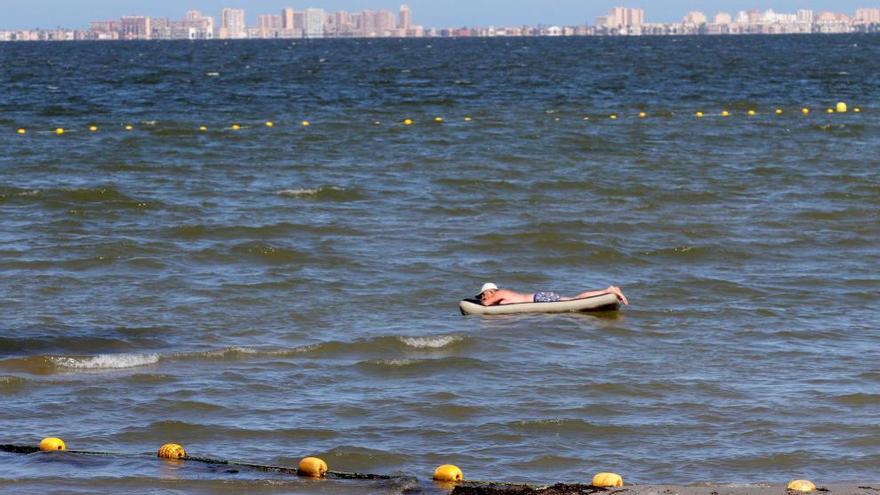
(492, 300)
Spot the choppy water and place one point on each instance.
(266, 294)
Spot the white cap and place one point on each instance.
(487, 286)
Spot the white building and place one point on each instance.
(314, 23)
(722, 18)
(805, 16)
(696, 18)
(232, 24)
(405, 17)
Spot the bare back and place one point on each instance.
(504, 296)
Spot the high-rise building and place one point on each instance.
(195, 26)
(769, 17)
(270, 26)
(695, 17)
(385, 23)
(366, 25)
(287, 18)
(160, 28)
(299, 24)
(405, 17)
(622, 20)
(314, 23)
(344, 25)
(867, 16)
(805, 16)
(288, 22)
(135, 28)
(722, 18)
(232, 24)
(754, 16)
(104, 30)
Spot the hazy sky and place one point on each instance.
(15, 14)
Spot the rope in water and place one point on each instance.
(27, 449)
(314, 467)
(839, 108)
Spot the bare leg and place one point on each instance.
(610, 290)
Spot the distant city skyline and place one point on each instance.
(315, 23)
(452, 13)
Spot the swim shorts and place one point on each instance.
(542, 297)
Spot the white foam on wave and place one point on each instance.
(298, 193)
(235, 352)
(106, 361)
(396, 362)
(437, 342)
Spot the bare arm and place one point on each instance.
(491, 300)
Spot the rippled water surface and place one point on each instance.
(265, 294)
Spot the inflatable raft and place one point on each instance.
(604, 302)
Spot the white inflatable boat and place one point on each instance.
(605, 302)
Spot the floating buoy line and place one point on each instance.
(701, 114)
(448, 476)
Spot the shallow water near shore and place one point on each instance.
(271, 293)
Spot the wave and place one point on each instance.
(437, 342)
(408, 366)
(327, 193)
(378, 348)
(567, 426)
(384, 346)
(105, 361)
(277, 230)
(42, 365)
(66, 197)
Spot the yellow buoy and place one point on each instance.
(438, 120)
(59, 131)
(857, 110)
(270, 124)
(699, 114)
(778, 111)
(612, 116)
(467, 119)
(829, 110)
(235, 127)
(801, 486)
(752, 113)
(172, 451)
(93, 128)
(129, 127)
(312, 467)
(448, 472)
(841, 107)
(203, 128)
(52, 443)
(642, 115)
(605, 480)
(805, 111)
(407, 121)
(21, 131)
(725, 113)
(306, 123)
